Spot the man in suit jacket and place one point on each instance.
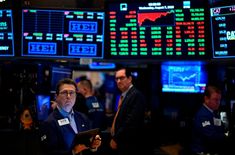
(62, 125)
(127, 128)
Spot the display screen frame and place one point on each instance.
(154, 56)
(223, 31)
(86, 42)
(43, 106)
(7, 33)
(57, 74)
(183, 77)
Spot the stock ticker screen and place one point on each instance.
(223, 31)
(62, 33)
(6, 33)
(160, 30)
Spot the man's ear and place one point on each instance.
(85, 89)
(206, 98)
(130, 78)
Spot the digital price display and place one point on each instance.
(6, 33)
(223, 31)
(161, 29)
(62, 33)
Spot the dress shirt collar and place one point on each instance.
(65, 113)
(208, 108)
(125, 92)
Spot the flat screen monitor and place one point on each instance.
(223, 31)
(162, 29)
(218, 3)
(96, 4)
(6, 3)
(43, 106)
(57, 74)
(102, 65)
(99, 79)
(183, 77)
(62, 33)
(6, 33)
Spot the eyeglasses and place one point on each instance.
(121, 78)
(66, 93)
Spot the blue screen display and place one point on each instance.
(183, 77)
(6, 33)
(62, 33)
(43, 106)
(223, 31)
(58, 74)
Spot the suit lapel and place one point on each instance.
(126, 100)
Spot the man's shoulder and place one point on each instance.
(80, 115)
(203, 112)
(53, 116)
(135, 92)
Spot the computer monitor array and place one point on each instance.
(132, 30)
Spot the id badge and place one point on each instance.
(217, 122)
(64, 121)
(95, 104)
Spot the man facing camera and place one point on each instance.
(64, 123)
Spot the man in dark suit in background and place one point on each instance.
(127, 128)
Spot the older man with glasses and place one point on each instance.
(128, 123)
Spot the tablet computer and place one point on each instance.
(85, 137)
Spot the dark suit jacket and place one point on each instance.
(57, 139)
(130, 122)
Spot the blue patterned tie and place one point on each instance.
(72, 123)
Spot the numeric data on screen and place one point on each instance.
(6, 33)
(62, 33)
(156, 30)
(223, 31)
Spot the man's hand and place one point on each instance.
(79, 148)
(96, 142)
(113, 144)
